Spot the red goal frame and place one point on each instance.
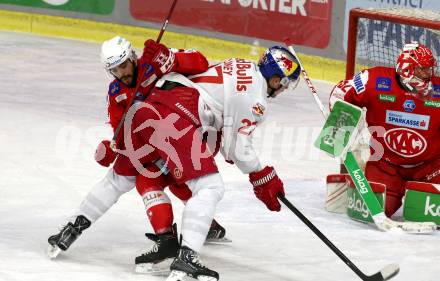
(357, 13)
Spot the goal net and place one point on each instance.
(376, 36)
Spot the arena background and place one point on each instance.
(219, 28)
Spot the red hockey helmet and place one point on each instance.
(416, 66)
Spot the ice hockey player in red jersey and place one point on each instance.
(120, 61)
(229, 98)
(403, 116)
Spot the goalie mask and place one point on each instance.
(416, 66)
(278, 61)
(116, 51)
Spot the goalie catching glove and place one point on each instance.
(160, 57)
(267, 186)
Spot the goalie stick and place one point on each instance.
(386, 273)
(381, 221)
(115, 138)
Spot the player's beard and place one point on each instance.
(129, 79)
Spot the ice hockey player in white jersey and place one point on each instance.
(233, 99)
(229, 98)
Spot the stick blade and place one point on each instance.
(386, 273)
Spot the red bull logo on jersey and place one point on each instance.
(258, 110)
(244, 78)
(405, 142)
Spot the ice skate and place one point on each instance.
(158, 258)
(187, 266)
(217, 234)
(67, 235)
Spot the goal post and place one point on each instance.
(376, 36)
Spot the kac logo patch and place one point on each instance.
(409, 105)
(383, 84)
(405, 142)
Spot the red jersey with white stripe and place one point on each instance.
(405, 126)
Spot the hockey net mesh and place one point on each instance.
(379, 42)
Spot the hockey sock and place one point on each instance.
(103, 195)
(199, 211)
(159, 210)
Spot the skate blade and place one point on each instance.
(53, 251)
(182, 276)
(161, 268)
(218, 240)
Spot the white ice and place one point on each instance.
(52, 115)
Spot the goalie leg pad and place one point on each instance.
(422, 202)
(336, 201)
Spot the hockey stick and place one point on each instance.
(386, 273)
(381, 221)
(131, 99)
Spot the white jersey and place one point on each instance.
(232, 99)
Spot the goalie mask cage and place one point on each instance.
(376, 36)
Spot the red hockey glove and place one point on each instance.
(160, 57)
(104, 155)
(267, 185)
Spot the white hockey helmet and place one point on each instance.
(116, 51)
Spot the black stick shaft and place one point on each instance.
(322, 237)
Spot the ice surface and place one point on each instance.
(52, 113)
